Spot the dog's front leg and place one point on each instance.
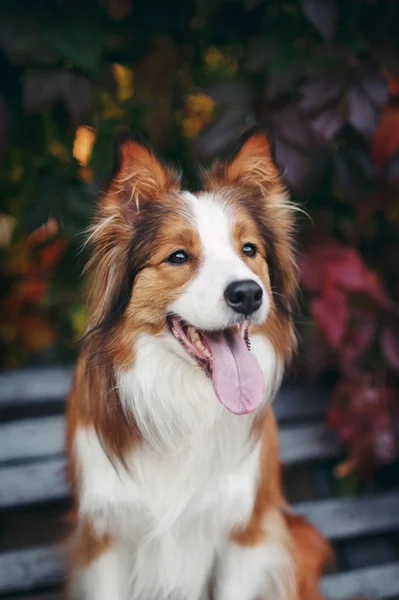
(98, 580)
(248, 572)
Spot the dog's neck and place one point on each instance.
(173, 403)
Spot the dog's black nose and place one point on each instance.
(245, 297)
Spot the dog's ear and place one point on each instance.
(252, 163)
(139, 179)
(138, 175)
(253, 173)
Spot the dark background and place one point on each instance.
(191, 75)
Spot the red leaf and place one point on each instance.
(366, 418)
(322, 14)
(348, 271)
(313, 263)
(390, 344)
(360, 337)
(386, 137)
(331, 314)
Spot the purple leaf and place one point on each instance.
(365, 163)
(23, 42)
(296, 165)
(328, 123)
(221, 133)
(321, 91)
(376, 87)
(322, 14)
(78, 96)
(237, 93)
(292, 126)
(282, 81)
(362, 114)
(259, 52)
(42, 89)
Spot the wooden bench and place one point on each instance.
(364, 530)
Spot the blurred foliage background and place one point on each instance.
(190, 75)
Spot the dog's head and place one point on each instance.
(204, 271)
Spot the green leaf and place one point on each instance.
(76, 209)
(77, 41)
(44, 203)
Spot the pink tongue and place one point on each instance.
(236, 375)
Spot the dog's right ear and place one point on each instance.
(138, 175)
(138, 180)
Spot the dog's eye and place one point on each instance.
(249, 250)
(178, 258)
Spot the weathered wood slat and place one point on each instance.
(35, 438)
(32, 438)
(372, 582)
(37, 482)
(350, 517)
(299, 402)
(30, 386)
(36, 567)
(29, 569)
(307, 443)
(40, 596)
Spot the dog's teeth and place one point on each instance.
(193, 333)
(203, 349)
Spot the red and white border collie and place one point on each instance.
(172, 443)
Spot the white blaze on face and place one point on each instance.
(203, 304)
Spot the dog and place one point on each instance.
(171, 438)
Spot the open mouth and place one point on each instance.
(225, 356)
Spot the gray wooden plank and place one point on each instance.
(359, 552)
(294, 402)
(372, 582)
(34, 385)
(36, 482)
(349, 517)
(32, 568)
(307, 443)
(35, 438)
(41, 596)
(32, 438)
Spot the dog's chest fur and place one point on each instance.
(171, 513)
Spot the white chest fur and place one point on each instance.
(191, 481)
(169, 514)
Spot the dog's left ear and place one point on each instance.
(251, 164)
(139, 176)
